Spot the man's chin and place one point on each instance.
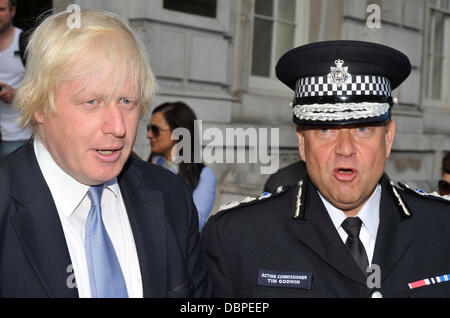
(98, 174)
(346, 203)
(96, 180)
(4, 28)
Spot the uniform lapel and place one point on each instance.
(317, 231)
(39, 229)
(395, 233)
(145, 209)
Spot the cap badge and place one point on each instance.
(339, 74)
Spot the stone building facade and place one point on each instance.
(222, 65)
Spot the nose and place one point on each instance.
(345, 145)
(113, 121)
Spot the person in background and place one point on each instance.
(12, 71)
(444, 183)
(201, 179)
(287, 176)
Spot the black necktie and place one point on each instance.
(352, 226)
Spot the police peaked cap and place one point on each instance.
(342, 82)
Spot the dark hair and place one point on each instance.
(446, 163)
(178, 114)
(12, 3)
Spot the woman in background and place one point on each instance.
(444, 183)
(201, 179)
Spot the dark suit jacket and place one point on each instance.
(33, 253)
(265, 235)
(289, 175)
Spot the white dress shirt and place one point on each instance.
(369, 215)
(73, 205)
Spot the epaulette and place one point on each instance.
(251, 200)
(423, 194)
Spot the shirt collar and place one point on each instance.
(113, 186)
(67, 192)
(369, 213)
(163, 162)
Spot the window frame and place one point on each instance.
(153, 10)
(196, 14)
(301, 32)
(429, 55)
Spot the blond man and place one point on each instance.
(78, 216)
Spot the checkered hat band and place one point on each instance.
(357, 85)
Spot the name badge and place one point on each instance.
(284, 279)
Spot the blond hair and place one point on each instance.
(59, 53)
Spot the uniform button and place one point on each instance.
(377, 294)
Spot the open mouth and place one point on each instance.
(106, 152)
(108, 155)
(345, 171)
(345, 174)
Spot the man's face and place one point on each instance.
(93, 131)
(345, 163)
(6, 15)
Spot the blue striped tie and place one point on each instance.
(105, 275)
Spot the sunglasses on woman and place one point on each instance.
(444, 187)
(156, 131)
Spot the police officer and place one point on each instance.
(345, 230)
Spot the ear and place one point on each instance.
(389, 137)
(39, 116)
(301, 142)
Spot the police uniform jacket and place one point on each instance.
(291, 234)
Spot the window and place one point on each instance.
(438, 50)
(278, 26)
(273, 33)
(206, 8)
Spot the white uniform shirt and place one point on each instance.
(73, 205)
(369, 215)
(11, 73)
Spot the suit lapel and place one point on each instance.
(145, 209)
(39, 229)
(394, 235)
(317, 231)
